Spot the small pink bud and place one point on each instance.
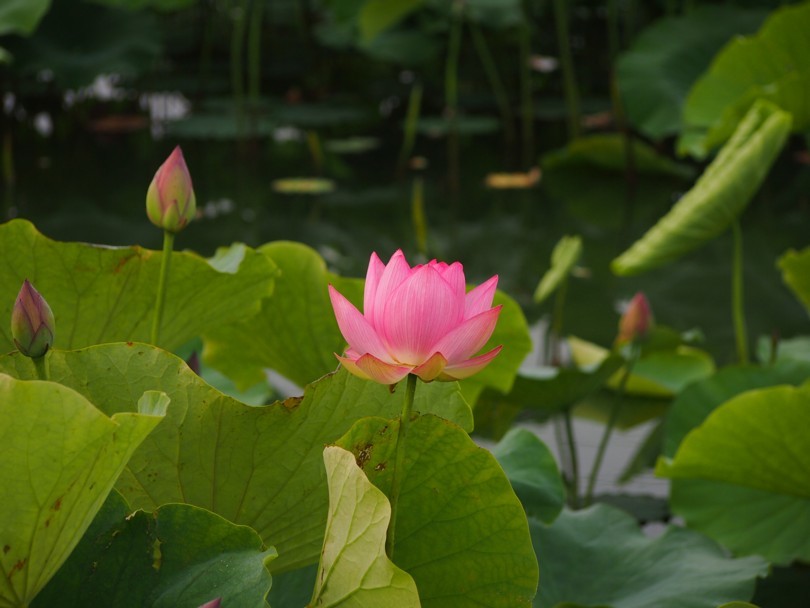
(212, 604)
(32, 325)
(170, 200)
(636, 320)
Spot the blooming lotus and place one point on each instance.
(418, 321)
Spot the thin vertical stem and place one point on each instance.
(237, 50)
(526, 102)
(399, 460)
(451, 95)
(737, 293)
(567, 64)
(255, 52)
(166, 258)
(418, 214)
(615, 410)
(557, 324)
(411, 119)
(494, 77)
(572, 453)
(42, 367)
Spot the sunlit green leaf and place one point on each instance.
(177, 557)
(533, 473)
(564, 257)
(354, 571)
(61, 457)
(461, 532)
(105, 294)
(718, 197)
(22, 16)
(600, 557)
(258, 466)
(377, 16)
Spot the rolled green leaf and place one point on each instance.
(718, 197)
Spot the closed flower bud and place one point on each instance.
(636, 321)
(170, 200)
(32, 326)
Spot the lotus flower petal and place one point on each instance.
(454, 275)
(392, 277)
(417, 314)
(431, 368)
(480, 298)
(467, 368)
(375, 270)
(371, 368)
(463, 341)
(355, 328)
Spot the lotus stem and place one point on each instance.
(526, 104)
(237, 46)
(166, 258)
(494, 77)
(615, 410)
(42, 367)
(567, 64)
(255, 52)
(557, 324)
(418, 214)
(399, 460)
(572, 454)
(411, 119)
(737, 300)
(451, 96)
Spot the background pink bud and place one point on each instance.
(636, 320)
(170, 200)
(417, 320)
(32, 324)
(213, 603)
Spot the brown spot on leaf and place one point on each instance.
(292, 402)
(17, 567)
(363, 454)
(380, 466)
(6, 549)
(58, 504)
(130, 343)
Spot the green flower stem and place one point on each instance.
(399, 460)
(526, 101)
(411, 120)
(557, 323)
(168, 245)
(611, 424)
(567, 65)
(451, 95)
(573, 499)
(42, 367)
(493, 75)
(737, 304)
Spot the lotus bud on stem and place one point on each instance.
(32, 327)
(171, 205)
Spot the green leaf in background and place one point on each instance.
(564, 257)
(599, 557)
(719, 195)
(755, 446)
(533, 473)
(795, 267)
(376, 16)
(258, 466)
(22, 16)
(354, 571)
(496, 14)
(461, 531)
(752, 521)
(201, 557)
(655, 74)
(61, 457)
(774, 64)
(737, 605)
(106, 294)
(296, 333)
(136, 5)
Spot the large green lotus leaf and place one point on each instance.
(692, 405)
(772, 63)
(296, 333)
(22, 16)
(461, 532)
(354, 571)
(564, 257)
(719, 195)
(533, 473)
(107, 294)
(61, 457)
(258, 466)
(655, 74)
(755, 440)
(201, 557)
(599, 557)
(795, 267)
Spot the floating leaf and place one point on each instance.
(533, 473)
(258, 466)
(202, 556)
(600, 557)
(719, 195)
(61, 457)
(461, 532)
(774, 64)
(655, 74)
(755, 445)
(564, 257)
(354, 570)
(105, 294)
(303, 185)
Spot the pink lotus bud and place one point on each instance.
(212, 604)
(170, 201)
(32, 325)
(636, 321)
(417, 321)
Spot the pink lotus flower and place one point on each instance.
(417, 320)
